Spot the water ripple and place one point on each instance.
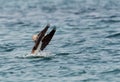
(116, 35)
(85, 46)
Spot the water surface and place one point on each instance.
(85, 48)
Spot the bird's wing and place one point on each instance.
(47, 39)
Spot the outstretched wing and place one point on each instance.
(40, 36)
(47, 39)
(42, 33)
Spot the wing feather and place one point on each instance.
(47, 39)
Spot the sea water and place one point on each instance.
(85, 47)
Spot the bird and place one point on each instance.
(42, 39)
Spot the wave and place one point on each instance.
(114, 71)
(113, 35)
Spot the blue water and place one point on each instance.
(85, 48)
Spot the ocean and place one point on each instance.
(85, 47)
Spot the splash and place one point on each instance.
(42, 54)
